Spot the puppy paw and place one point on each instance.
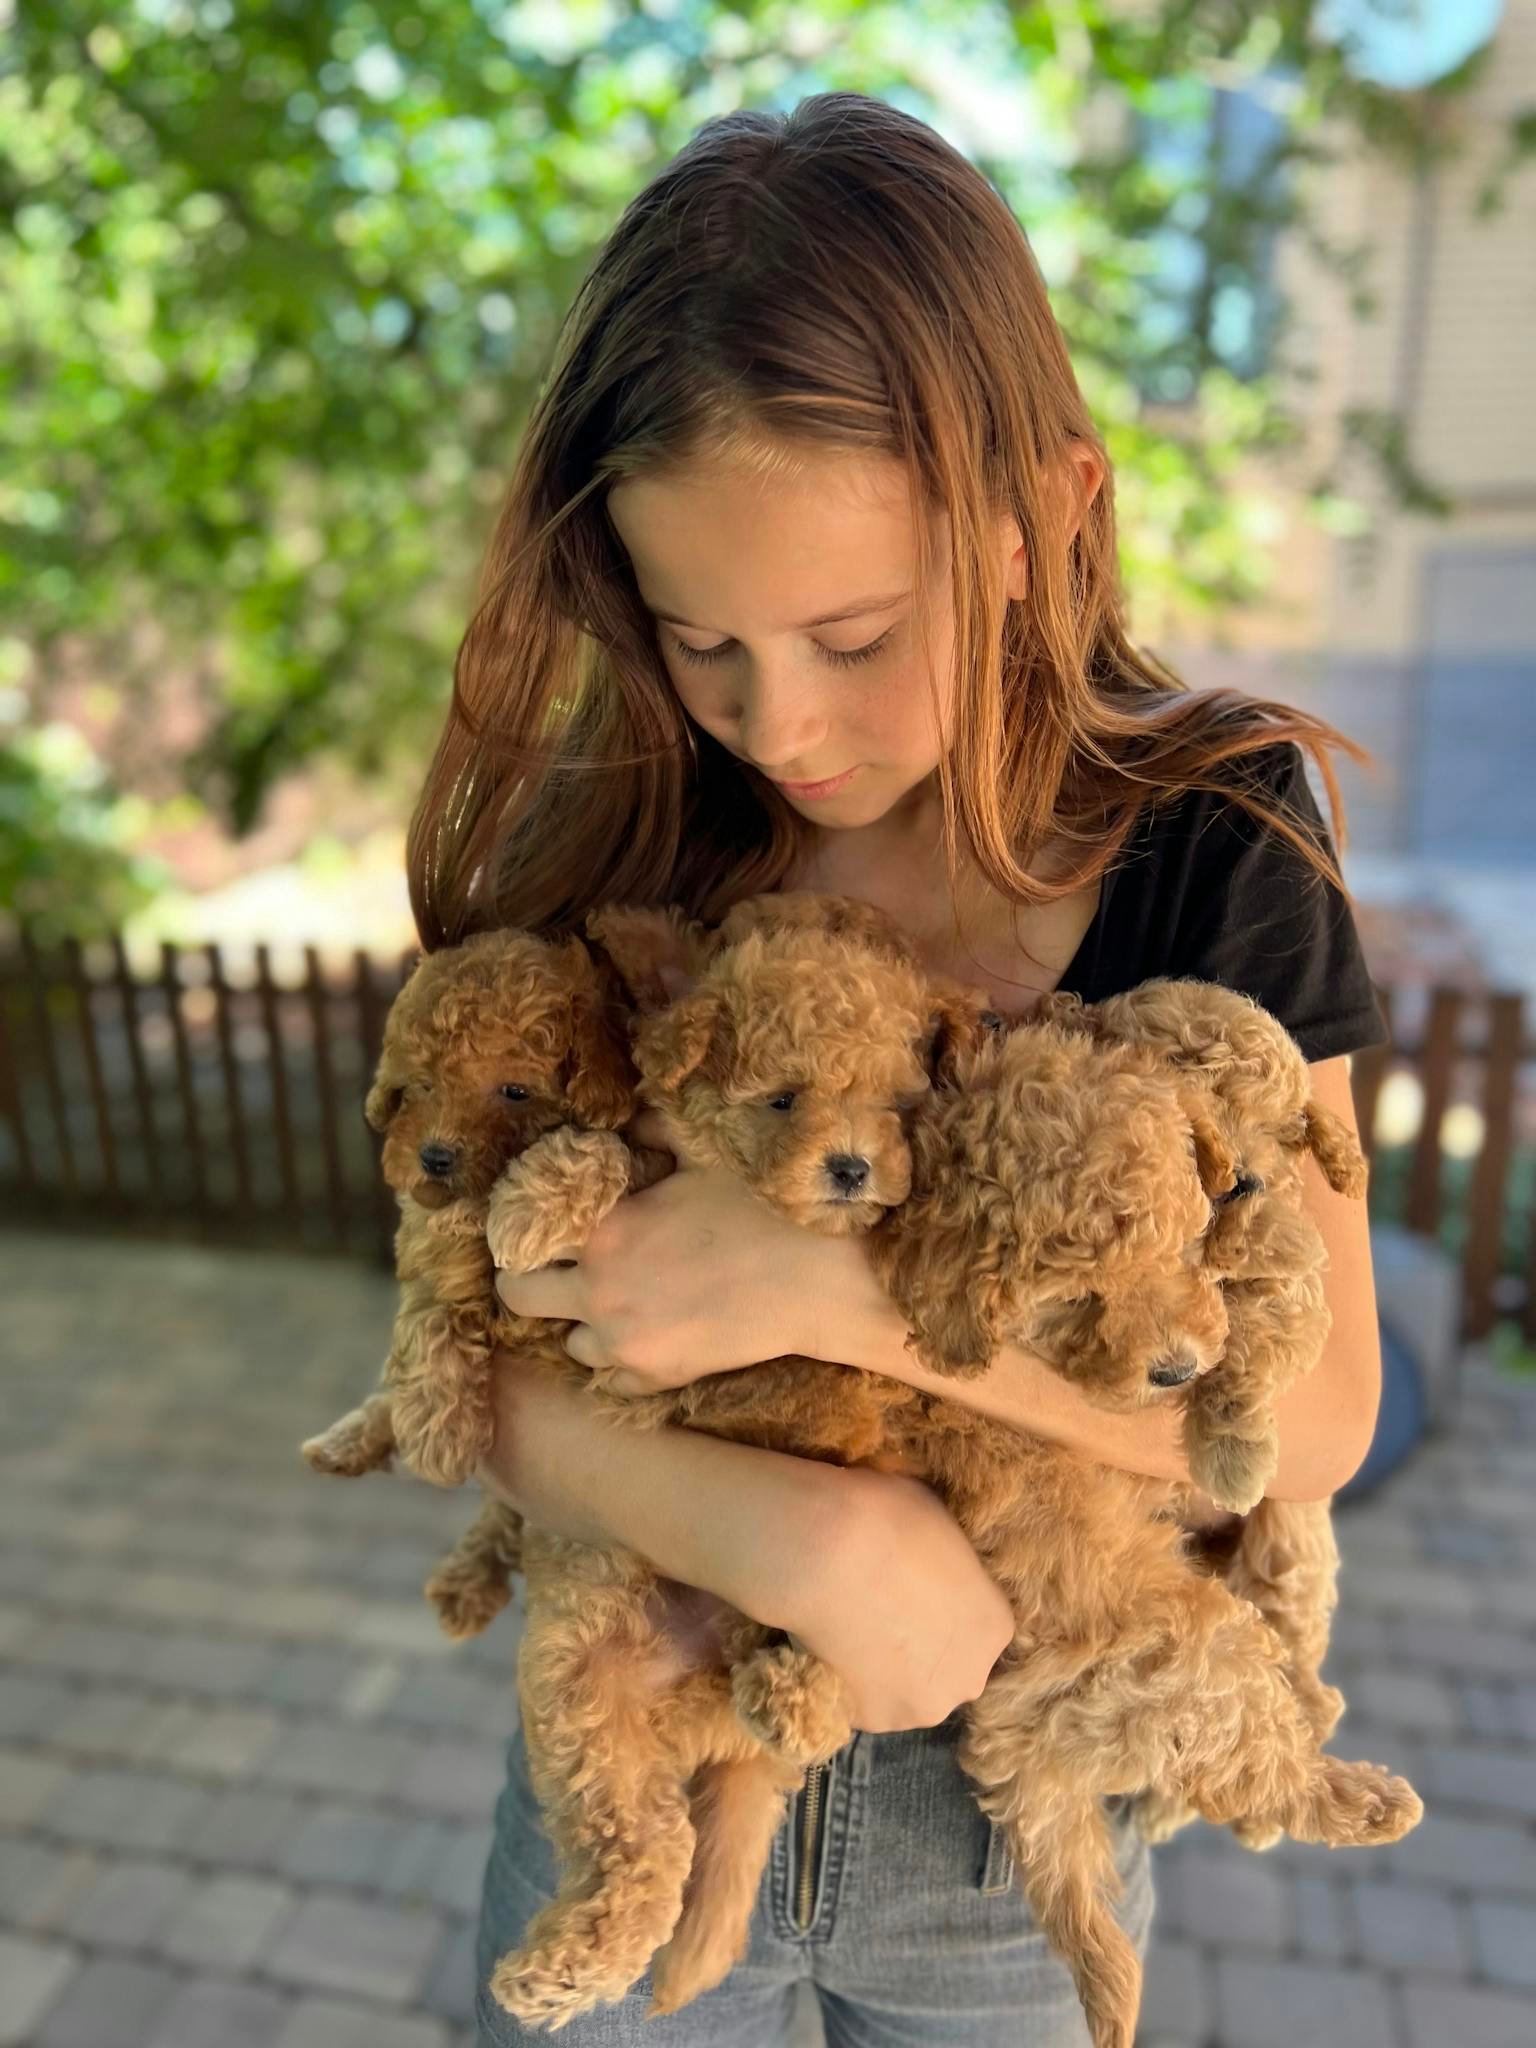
(1360, 1805)
(1257, 1835)
(1160, 1815)
(567, 1970)
(1233, 1470)
(792, 1703)
(354, 1444)
(467, 1603)
(554, 1195)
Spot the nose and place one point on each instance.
(1173, 1371)
(848, 1172)
(781, 727)
(438, 1160)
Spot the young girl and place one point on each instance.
(806, 578)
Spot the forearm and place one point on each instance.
(747, 1524)
(1319, 1426)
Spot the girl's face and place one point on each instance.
(746, 576)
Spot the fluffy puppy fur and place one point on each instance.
(490, 1046)
(664, 1730)
(1283, 1556)
(793, 1059)
(1129, 1670)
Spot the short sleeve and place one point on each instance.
(1256, 917)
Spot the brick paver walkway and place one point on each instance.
(245, 1785)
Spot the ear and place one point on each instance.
(1335, 1148)
(674, 1045)
(600, 1069)
(959, 1336)
(959, 1024)
(382, 1102)
(1215, 1160)
(657, 954)
(1067, 1010)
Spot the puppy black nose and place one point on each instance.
(1245, 1184)
(438, 1160)
(1174, 1370)
(847, 1171)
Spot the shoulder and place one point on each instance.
(1208, 889)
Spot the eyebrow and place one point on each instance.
(859, 609)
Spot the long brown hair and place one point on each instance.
(838, 276)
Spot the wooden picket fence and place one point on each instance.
(206, 1096)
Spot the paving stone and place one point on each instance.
(364, 1762)
(247, 1828)
(1233, 1898)
(1464, 1648)
(1500, 1778)
(312, 1677)
(441, 1697)
(34, 1974)
(1325, 1926)
(93, 1649)
(40, 1882)
(331, 2023)
(211, 1667)
(129, 1904)
(29, 1783)
(344, 1944)
(1409, 1927)
(1263, 2004)
(31, 1703)
(1489, 1708)
(1505, 1939)
(1400, 1699)
(208, 2012)
(228, 1923)
(346, 1845)
(458, 1776)
(1463, 2016)
(126, 1809)
(207, 1741)
(1177, 1999)
(1481, 1855)
(108, 1999)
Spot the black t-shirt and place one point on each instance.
(1203, 889)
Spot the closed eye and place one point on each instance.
(838, 657)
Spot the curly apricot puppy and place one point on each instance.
(664, 1730)
(489, 1046)
(1046, 1200)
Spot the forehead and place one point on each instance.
(851, 1031)
(718, 542)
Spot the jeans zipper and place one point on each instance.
(812, 1804)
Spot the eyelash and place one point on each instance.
(839, 657)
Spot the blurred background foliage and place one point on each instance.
(278, 282)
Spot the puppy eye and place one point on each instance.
(783, 1102)
(510, 1092)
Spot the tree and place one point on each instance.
(279, 281)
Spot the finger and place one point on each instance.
(581, 1341)
(549, 1291)
(628, 1386)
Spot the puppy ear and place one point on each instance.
(1215, 1160)
(1335, 1148)
(1059, 1006)
(600, 1077)
(382, 1102)
(959, 1334)
(674, 1045)
(959, 1023)
(657, 954)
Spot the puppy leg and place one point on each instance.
(441, 1398)
(737, 1807)
(1274, 1334)
(360, 1441)
(1055, 1826)
(473, 1582)
(614, 1802)
(792, 1703)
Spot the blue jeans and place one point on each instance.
(897, 1901)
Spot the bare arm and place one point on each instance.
(1326, 1419)
(866, 1569)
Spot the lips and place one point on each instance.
(827, 787)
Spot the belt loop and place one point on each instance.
(997, 1876)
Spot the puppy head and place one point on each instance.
(489, 1045)
(1061, 1190)
(796, 1061)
